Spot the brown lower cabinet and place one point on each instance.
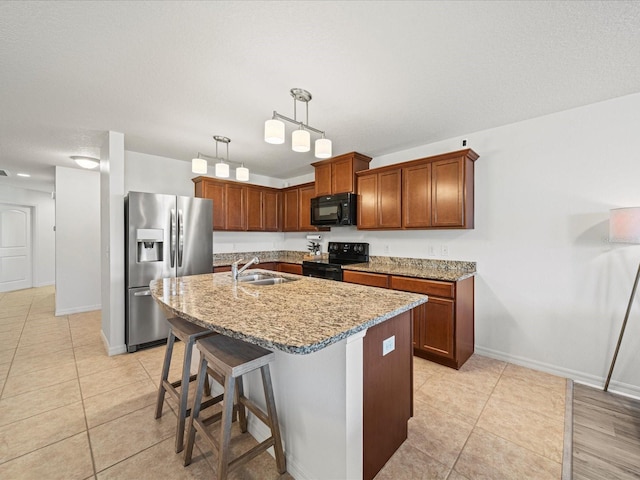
(295, 268)
(443, 328)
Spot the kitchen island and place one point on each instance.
(342, 404)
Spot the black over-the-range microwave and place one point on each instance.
(338, 209)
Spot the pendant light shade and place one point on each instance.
(222, 169)
(199, 165)
(274, 131)
(323, 148)
(242, 174)
(300, 141)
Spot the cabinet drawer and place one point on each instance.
(290, 268)
(369, 279)
(428, 287)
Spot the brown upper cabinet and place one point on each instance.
(434, 192)
(241, 207)
(337, 174)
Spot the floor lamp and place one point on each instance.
(624, 227)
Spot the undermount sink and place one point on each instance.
(264, 279)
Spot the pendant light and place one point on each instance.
(199, 165)
(300, 139)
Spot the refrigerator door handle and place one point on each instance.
(146, 293)
(180, 237)
(172, 238)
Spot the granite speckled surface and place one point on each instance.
(432, 269)
(300, 317)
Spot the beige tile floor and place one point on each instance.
(68, 411)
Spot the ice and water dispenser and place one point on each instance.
(149, 244)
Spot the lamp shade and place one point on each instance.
(274, 131)
(222, 170)
(624, 225)
(323, 148)
(198, 165)
(300, 141)
(242, 174)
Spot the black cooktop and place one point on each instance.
(344, 253)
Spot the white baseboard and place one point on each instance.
(43, 284)
(261, 432)
(115, 350)
(82, 309)
(583, 378)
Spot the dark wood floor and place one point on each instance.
(606, 435)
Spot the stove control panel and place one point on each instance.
(340, 250)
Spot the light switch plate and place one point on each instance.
(388, 345)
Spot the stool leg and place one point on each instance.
(242, 411)
(225, 427)
(184, 393)
(195, 410)
(273, 418)
(165, 373)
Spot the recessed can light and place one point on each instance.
(23, 174)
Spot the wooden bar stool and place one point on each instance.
(231, 359)
(187, 332)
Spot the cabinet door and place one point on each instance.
(389, 199)
(368, 201)
(271, 210)
(255, 217)
(306, 194)
(236, 207)
(216, 192)
(436, 327)
(323, 180)
(416, 196)
(342, 176)
(447, 195)
(291, 208)
(290, 268)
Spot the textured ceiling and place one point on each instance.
(384, 75)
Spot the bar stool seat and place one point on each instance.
(231, 359)
(187, 332)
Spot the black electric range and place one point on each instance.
(340, 253)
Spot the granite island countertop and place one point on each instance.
(300, 317)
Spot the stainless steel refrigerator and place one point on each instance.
(165, 236)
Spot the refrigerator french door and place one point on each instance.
(165, 236)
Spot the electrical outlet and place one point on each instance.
(431, 250)
(388, 345)
(386, 249)
(444, 250)
(464, 143)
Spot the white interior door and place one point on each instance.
(15, 248)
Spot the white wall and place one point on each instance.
(43, 207)
(551, 292)
(77, 254)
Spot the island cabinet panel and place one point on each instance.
(379, 200)
(337, 174)
(366, 278)
(294, 268)
(416, 196)
(443, 328)
(387, 392)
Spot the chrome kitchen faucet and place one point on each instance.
(234, 267)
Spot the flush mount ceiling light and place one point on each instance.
(85, 162)
(300, 138)
(199, 164)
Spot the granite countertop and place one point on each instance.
(431, 269)
(299, 317)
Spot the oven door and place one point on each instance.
(320, 270)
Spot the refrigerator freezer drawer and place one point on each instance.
(146, 321)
